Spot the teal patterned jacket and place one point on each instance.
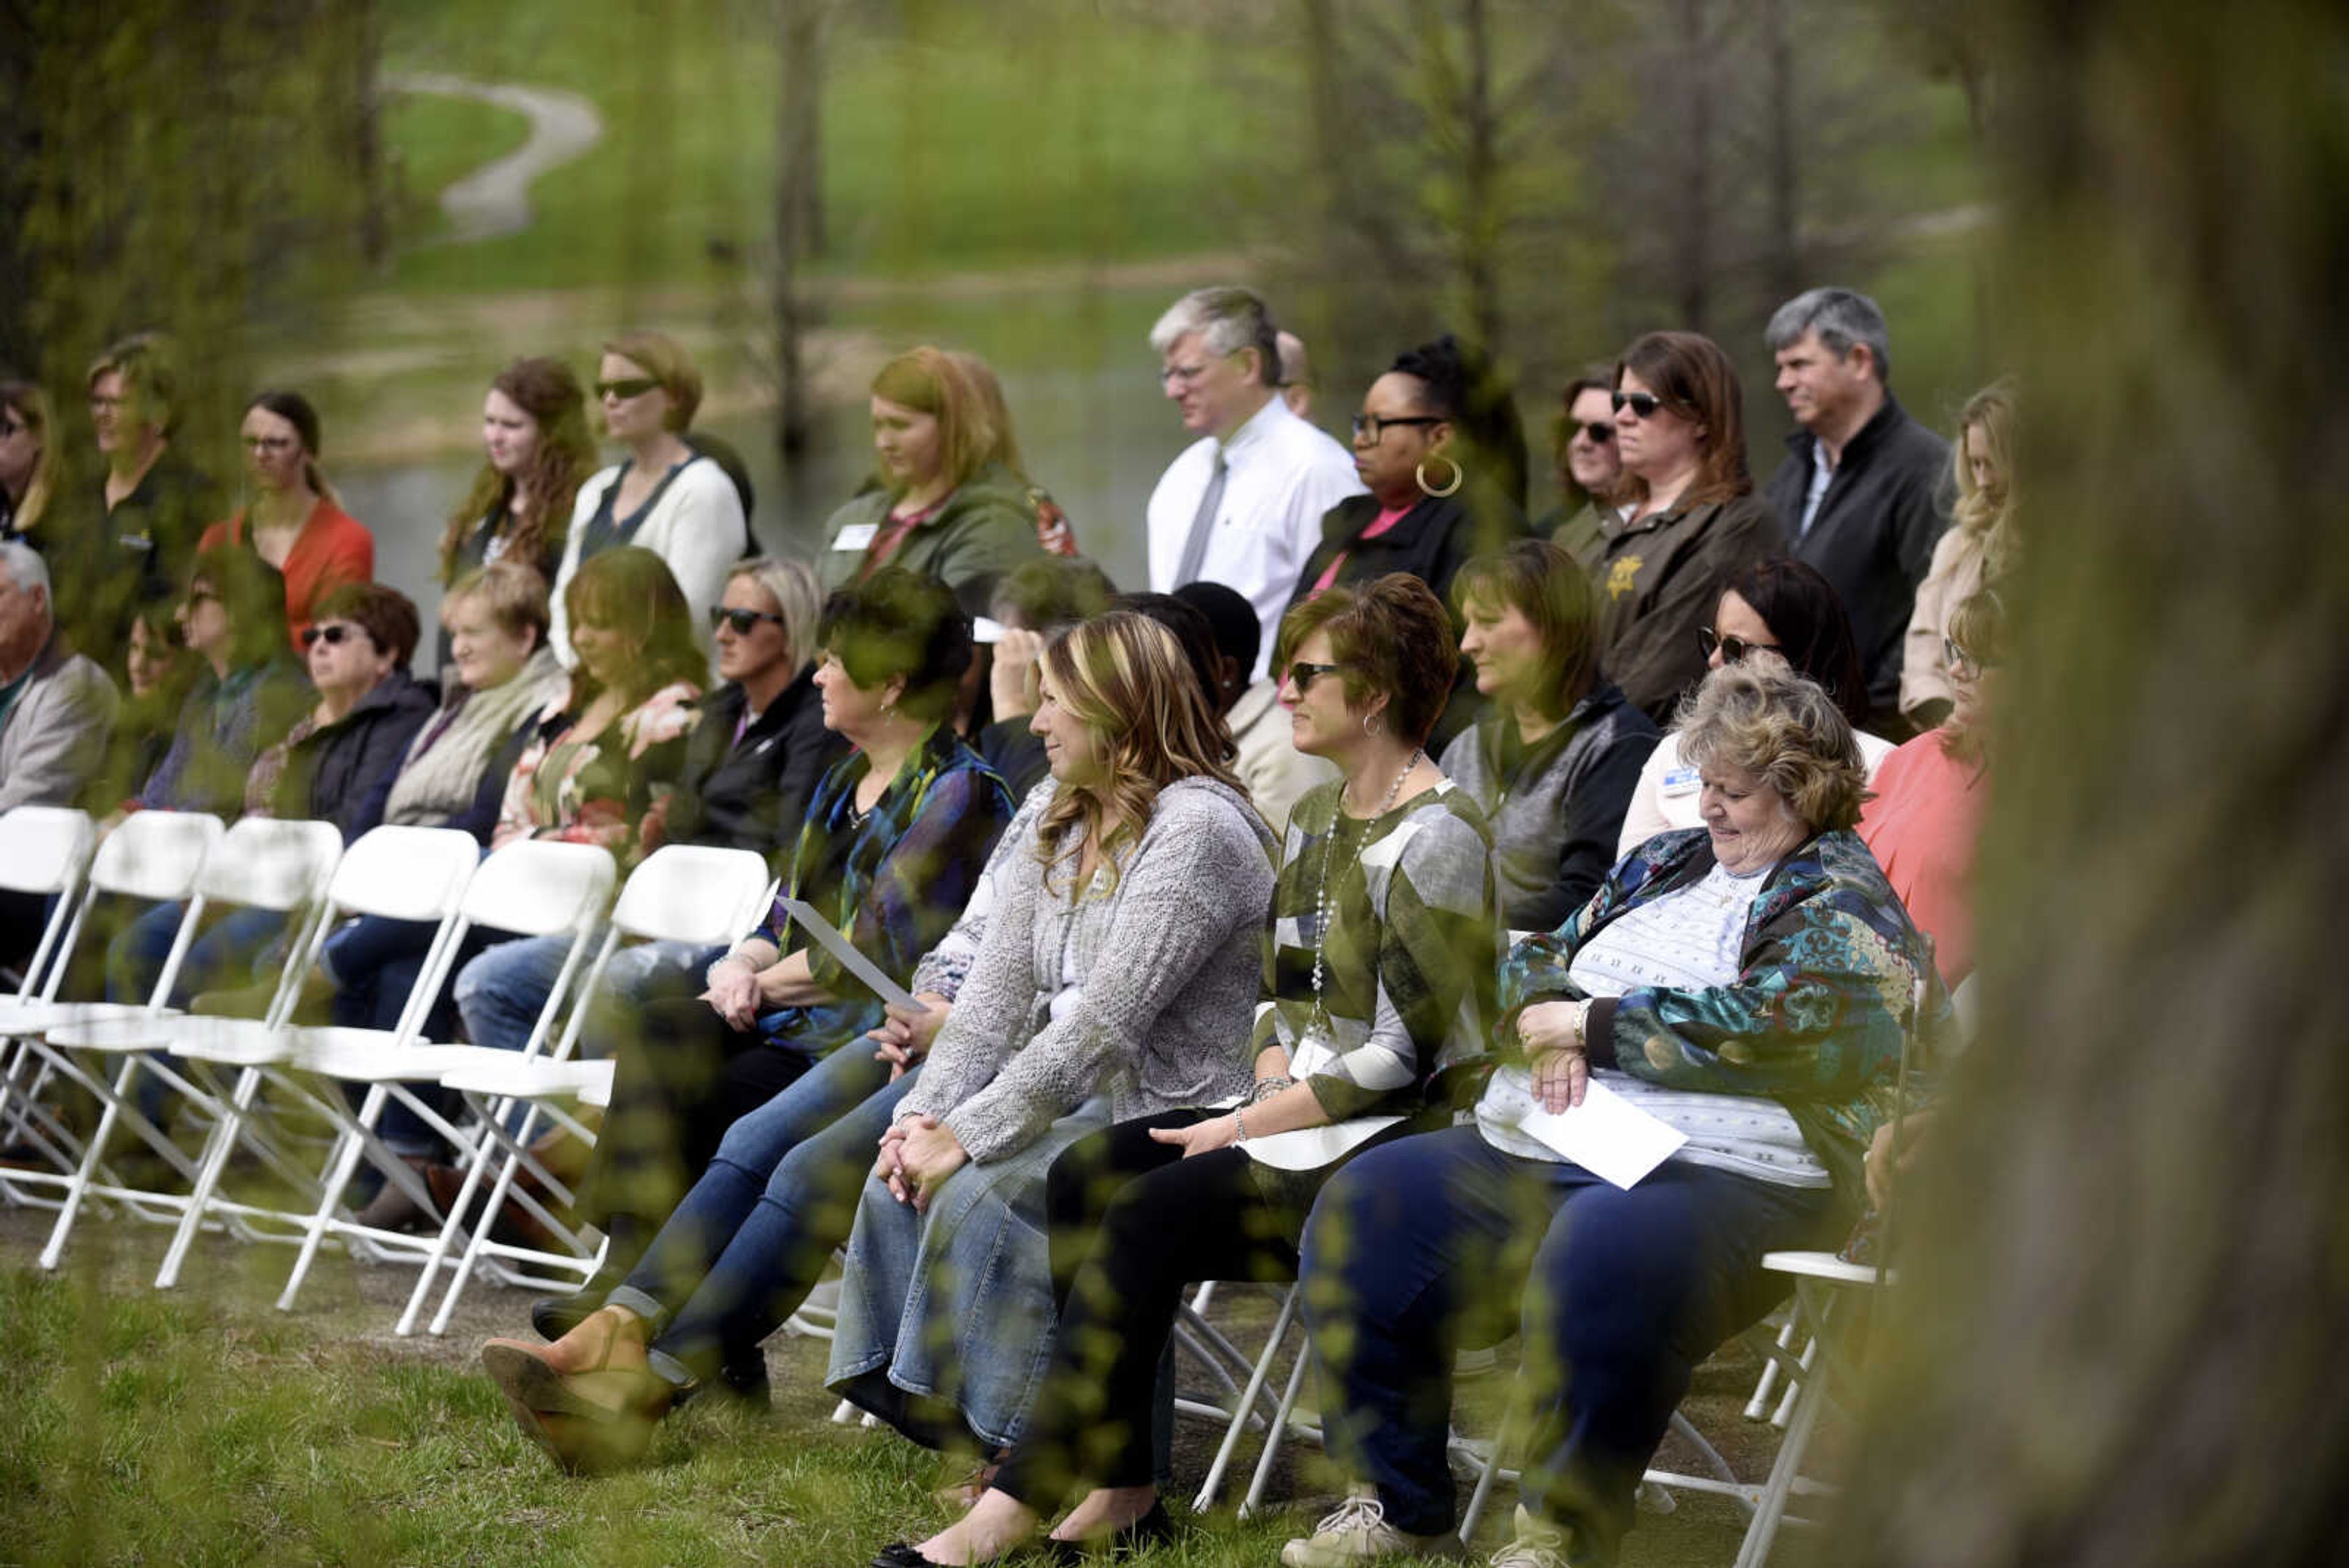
(1817, 1015)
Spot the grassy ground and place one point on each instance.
(201, 1427)
(435, 142)
(972, 138)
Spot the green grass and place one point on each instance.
(436, 141)
(989, 137)
(202, 1426)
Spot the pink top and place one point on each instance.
(1922, 825)
(1379, 524)
(333, 549)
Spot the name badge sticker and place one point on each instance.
(1681, 781)
(856, 536)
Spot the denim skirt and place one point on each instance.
(946, 1317)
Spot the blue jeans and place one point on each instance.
(500, 993)
(744, 1248)
(230, 952)
(1624, 1294)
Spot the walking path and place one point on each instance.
(494, 198)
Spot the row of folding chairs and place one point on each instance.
(263, 1089)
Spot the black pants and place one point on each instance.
(1164, 1223)
(684, 1075)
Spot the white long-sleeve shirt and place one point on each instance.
(1282, 475)
(696, 526)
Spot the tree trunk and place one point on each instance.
(799, 207)
(2119, 1331)
(1693, 265)
(1480, 179)
(1786, 240)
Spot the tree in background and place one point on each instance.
(2122, 1309)
(202, 170)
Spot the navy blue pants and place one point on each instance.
(1415, 1246)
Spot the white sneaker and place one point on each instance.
(1358, 1531)
(1538, 1544)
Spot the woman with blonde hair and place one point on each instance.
(28, 457)
(664, 496)
(948, 502)
(1118, 962)
(1977, 550)
(1377, 971)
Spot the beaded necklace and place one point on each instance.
(1318, 1031)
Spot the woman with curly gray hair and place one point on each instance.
(1748, 984)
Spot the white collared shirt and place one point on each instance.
(1282, 475)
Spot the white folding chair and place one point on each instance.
(154, 858)
(44, 853)
(261, 862)
(1218, 1353)
(691, 894)
(530, 888)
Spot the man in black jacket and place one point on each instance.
(1864, 491)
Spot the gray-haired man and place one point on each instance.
(1243, 504)
(1864, 491)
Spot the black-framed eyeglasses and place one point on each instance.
(1644, 405)
(1599, 432)
(1302, 674)
(334, 634)
(1733, 648)
(1961, 663)
(270, 443)
(743, 621)
(634, 387)
(1370, 427)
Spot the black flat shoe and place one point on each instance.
(902, 1554)
(1151, 1528)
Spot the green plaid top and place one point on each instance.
(1409, 964)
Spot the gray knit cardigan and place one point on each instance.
(1173, 961)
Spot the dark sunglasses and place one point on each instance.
(1733, 648)
(743, 621)
(1302, 675)
(634, 387)
(1370, 427)
(1601, 432)
(333, 636)
(1643, 404)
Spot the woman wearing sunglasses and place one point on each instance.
(1379, 971)
(1773, 611)
(293, 519)
(1695, 520)
(664, 496)
(1439, 448)
(1589, 470)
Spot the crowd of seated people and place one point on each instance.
(1246, 918)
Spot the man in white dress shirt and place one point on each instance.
(1243, 504)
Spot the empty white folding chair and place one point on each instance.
(691, 894)
(530, 888)
(153, 857)
(260, 863)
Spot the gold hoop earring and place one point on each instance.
(1459, 475)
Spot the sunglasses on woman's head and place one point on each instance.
(333, 636)
(634, 387)
(1733, 648)
(743, 621)
(1644, 405)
